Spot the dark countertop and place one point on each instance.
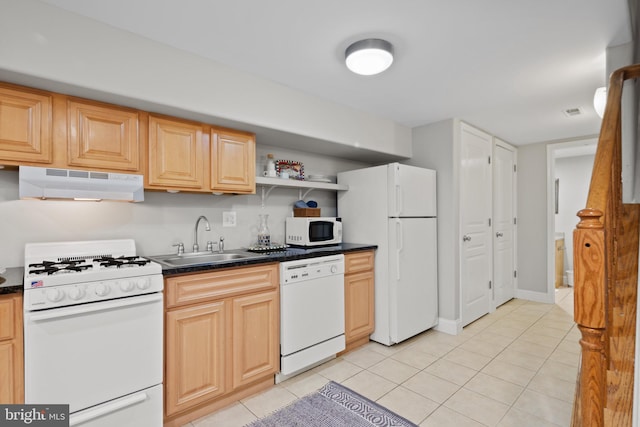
(11, 281)
(288, 254)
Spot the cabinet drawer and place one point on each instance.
(355, 262)
(193, 288)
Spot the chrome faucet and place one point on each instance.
(195, 231)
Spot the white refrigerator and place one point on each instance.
(394, 206)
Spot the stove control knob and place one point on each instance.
(76, 293)
(55, 294)
(102, 289)
(126, 285)
(143, 284)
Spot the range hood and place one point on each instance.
(54, 183)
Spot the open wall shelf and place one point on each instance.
(304, 187)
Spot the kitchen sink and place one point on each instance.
(204, 258)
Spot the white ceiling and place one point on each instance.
(509, 67)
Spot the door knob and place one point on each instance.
(499, 234)
(466, 238)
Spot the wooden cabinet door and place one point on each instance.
(233, 161)
(194, 355)
(102, 136)
(176, 154)
(25, 127)
(256, 342)
(11, 349)
(359, 300)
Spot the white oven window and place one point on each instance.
(87, 354)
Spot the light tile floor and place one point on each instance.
(514, 367)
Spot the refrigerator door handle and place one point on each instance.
(399, 246)
(397, 189)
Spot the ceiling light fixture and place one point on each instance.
(600, 100)
(370, 56)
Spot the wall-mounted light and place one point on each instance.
(600, 100)
(370, 56)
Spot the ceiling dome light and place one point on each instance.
(370, 56)
(600, 100)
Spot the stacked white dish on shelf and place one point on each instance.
(319, 178)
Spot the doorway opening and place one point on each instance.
(569, 166)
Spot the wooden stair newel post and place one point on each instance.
(589, 313)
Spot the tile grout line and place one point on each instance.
(543, 314)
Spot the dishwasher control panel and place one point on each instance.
(311, 268)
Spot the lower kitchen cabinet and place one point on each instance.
(358, 298)
(222, 339)
(11, 350)
(255, 341)
(195, 355)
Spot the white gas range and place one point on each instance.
(67, 273)
(93, 324)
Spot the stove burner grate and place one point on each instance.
(49, 267)
(122, 261)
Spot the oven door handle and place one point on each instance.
(94, 307)
(107, 408)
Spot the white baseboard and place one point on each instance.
(536, 296)
(451, 327)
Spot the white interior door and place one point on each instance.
(503, 223)
(475, 215)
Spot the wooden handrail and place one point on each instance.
(605, 276)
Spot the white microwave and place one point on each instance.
(313, 231)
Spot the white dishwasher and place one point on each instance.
(311, 312)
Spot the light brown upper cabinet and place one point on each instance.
(102, 136)
(56, 130)
(25, 126)
(233, 161)
(190, 156)
(177, 155)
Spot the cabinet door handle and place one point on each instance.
(499, 234)
(466, 238)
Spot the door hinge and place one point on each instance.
(515, 221)
(515, 273)
(489, 284)
(489, 159)
(489, 222)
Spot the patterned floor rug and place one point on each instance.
(333, 406)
